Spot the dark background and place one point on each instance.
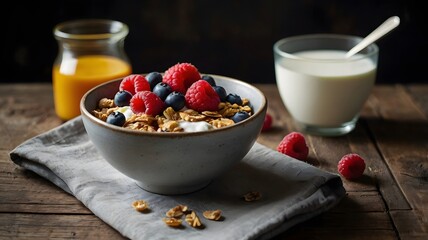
(226, 37)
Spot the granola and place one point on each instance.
(193, 220)
(174, 215)
(252, 196)
(171, 120)
(172, 222)
(140, 205)
(212, 214)
(177, 211)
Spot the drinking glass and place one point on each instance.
(323, 90)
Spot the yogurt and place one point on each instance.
(185, 125)
(126, 110)
(195, 126)
(322, 88)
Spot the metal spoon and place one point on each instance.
(380, 31)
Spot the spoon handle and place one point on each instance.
(383, 29)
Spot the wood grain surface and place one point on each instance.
(389, 202)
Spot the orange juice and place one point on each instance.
(72, 78)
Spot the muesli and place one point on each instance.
(180, 100)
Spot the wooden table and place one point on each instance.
(389, 202)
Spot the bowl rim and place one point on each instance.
(111, 127)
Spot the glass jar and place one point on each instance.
(91, 51)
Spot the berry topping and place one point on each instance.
(122, 98)
(209, 79)
(162, 90)
(240, 116)
(175, 100)
(202, 97)
(134, 83)
(221, 92)
(294, 145)
(267, 123)
(234, 98)
(146, 102)
(351, 166)
(181, 76)
(153, 78)
(116, 118)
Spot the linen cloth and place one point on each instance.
(292, 191)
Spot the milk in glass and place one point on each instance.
(322, 88)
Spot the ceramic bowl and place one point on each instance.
(174, 163)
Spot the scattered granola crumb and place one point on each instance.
(193, 220)
(177, 211)
(252, 196)
(172, 222)
(174, 215)
(212, 214)
(140, 205)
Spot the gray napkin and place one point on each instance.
(292, 191)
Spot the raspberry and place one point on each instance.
(351, 166)
(267, 124)
(294, 145)
(181, 76)
(146, 102)
(134, 83)
(201, 96)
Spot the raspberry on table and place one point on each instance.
(181, 76)
(134, 83)
(351, 166)
(294, 145)
(201, 96)
(146, 102)
(267, 123)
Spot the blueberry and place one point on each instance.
(116, 118)
(240, 116)
(153, 78)
(162, 90)
(209, 79)
(175, 100)
(234, 98)
(122, 98)
(221, 92)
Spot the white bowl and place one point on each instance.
(174, 163)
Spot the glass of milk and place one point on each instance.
(323, 91)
